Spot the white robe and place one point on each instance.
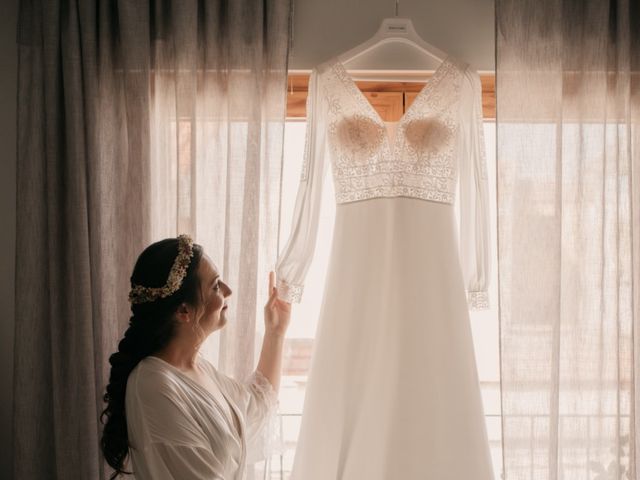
(178, 430)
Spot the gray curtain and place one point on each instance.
(568, 123)
(137, 120)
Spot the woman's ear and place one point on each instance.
(183, 313)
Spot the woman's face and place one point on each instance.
(214, 293)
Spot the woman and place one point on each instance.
(167, 405)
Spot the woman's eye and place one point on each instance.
(216, 286)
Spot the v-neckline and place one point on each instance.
(427, 88)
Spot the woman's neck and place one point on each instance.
(182, 353)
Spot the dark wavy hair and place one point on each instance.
(151, 327)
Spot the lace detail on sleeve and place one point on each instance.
(289, 292)
(478, 300)
(265, 439)
(260, 384)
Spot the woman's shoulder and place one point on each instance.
(151, 377)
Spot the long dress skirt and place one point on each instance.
(393, 390)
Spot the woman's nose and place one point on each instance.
(227, 290)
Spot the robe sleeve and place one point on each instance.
(259, 404)
(295, 258)
(262, 417)
(474, 196)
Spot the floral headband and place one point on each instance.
(140, 294)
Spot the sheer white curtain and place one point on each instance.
(216, 126)
(568, 109)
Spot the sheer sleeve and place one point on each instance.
(474, 196)
(294, 260)
(259, 404)
(261, 419)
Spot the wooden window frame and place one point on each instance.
(390, 99)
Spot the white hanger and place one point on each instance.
(393, 30)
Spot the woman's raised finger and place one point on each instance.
(272, 281)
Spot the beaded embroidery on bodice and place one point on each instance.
(418, 163)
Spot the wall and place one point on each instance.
(324, 28)
(8, 74)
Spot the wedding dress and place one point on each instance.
(393, 390)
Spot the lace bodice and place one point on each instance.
(436, 151)
(419, 162)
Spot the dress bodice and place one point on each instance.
(418, 162)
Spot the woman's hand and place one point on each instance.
(277, 312)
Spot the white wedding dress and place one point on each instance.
(393, 390)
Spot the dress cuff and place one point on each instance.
(478, 300)
(289, 292)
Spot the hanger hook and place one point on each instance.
(397, 3)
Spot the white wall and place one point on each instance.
(324, 28)
(8, 74)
